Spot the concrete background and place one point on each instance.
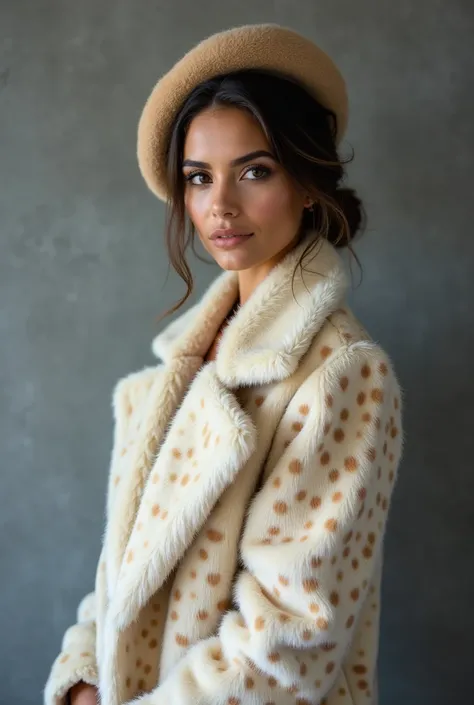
(82, 278)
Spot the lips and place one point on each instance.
(227, 233)
(227, 243)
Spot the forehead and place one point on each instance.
(223, 133)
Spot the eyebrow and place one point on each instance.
(235, 162)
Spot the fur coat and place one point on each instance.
(247, 506)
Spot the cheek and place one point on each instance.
(276, 204)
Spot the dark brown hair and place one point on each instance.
(301, 133)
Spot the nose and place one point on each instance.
(224, 205)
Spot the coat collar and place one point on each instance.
(267, 336)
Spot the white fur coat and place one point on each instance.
(247, 506)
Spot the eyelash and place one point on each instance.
(265, 169)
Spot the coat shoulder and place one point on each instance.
(342, 342)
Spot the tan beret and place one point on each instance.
(265, 46)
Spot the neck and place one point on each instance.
(249, 279)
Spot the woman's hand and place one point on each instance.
(84, 694)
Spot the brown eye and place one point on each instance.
(258, 172)
(191, 178)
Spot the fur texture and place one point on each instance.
(247, 505)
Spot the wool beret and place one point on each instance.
(264, 46)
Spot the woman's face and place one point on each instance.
(233, 182)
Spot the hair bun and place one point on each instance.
(352, 207)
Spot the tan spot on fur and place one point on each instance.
(344, 383)
(351, 464)
(301, 495)
(337, 496)
(280, 507)
(304, 409)
(316, 562)
(213, 579)
(361, 397)
(297, 426)
(181, 640)
(249, 683)
(274, 657)
(314, 607)
(155, 510)
(282, 580)
(322, 624)
(214, 535)
(331, 525)
(276, 482)
(310, 585)
(174, 616)
(153, 643)
(177, 595)
(377, 395)
(315, 502)
(176, 453)
(64, 658)
(273, 530)
(259, 400)
(325, 351)
(202, 615)
(307, 635)
(259, 624)
(325, 458)
(329, 400)
(130, 556)
(295, 467)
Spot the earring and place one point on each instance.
(311, 210)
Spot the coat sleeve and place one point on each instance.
(76, 661)
(311, 544)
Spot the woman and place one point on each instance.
(252, 469)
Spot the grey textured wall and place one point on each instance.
(82, 276)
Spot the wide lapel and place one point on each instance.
(135, 450)
(210, 440)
